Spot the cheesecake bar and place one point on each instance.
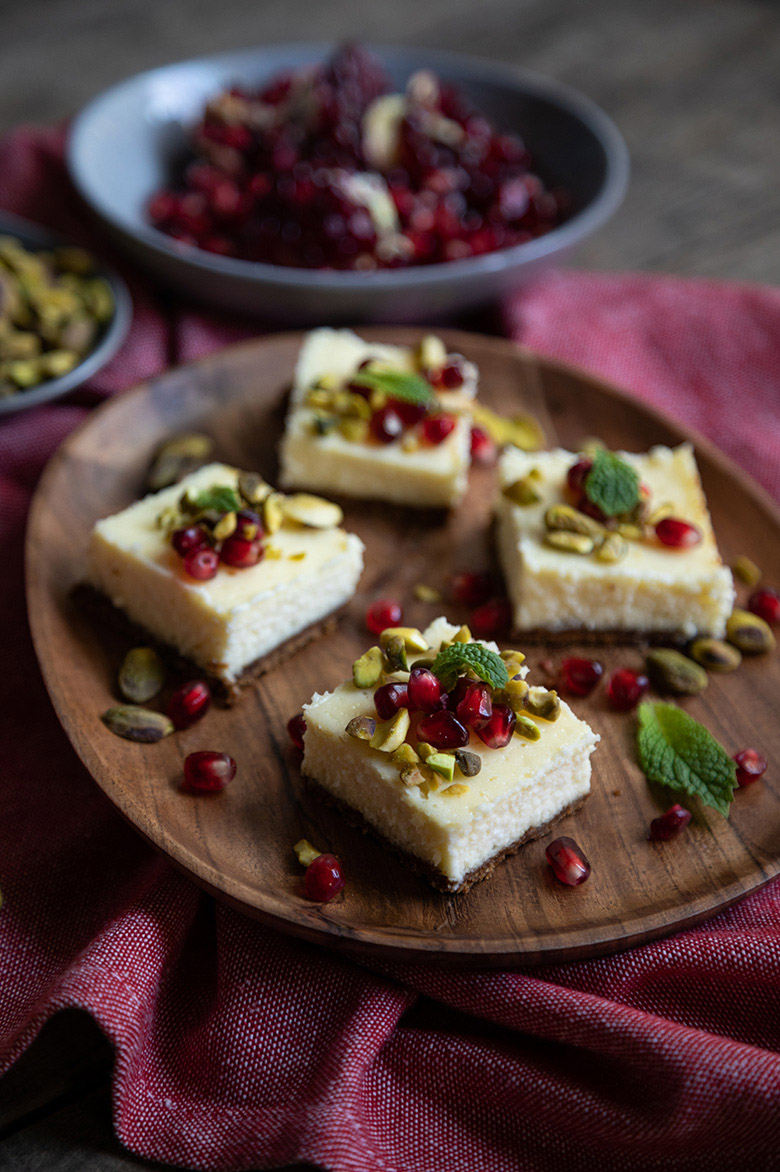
(226, 571)
(454, 789)
(379, 422)
(575, 559)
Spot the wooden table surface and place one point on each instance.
(691, 83)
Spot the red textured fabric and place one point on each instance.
(238, 1048)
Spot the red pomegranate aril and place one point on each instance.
(766, 604)
(579, 676)
(386, 425)
(670, 824)
(296, 727)
(472, 588)
(188, 703)
(677, 534)
(497, 731)
(207, 772)
(382, 614)
(188, 539)
(483, 449)
(626, 688)
(409, 413)
(492, 619)
(241, 553)
(425, 691)
(451, 376)
(575, 477)
(324, 878)
(436, 428)
(568, 861)
(442, 730)
(476, 707)
(248, 524)
(389, 698)
(750, 766)
(202, 564)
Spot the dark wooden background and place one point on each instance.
(694, 86)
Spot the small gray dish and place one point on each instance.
(123, 145)
(112, 337)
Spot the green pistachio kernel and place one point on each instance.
(367, 670)
(391, 734)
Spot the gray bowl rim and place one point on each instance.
(37, 236)
(568, 234)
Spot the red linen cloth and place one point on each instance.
(238, 1048)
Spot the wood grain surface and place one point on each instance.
(239, 844)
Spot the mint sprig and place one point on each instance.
(220, 497)
(397, 384)
(677, 751)
(612, 485)
(476, 656)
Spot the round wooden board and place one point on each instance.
(239, 844)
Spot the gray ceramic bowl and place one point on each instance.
(121, 148)
(112, 337)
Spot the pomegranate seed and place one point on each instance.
(476, 707)
(436, 428)
(677, 534)
(568, 861)
(492, 619)
(590, 510)
(497, 731)
(766, 604)
(575, 477)
(670, 824)
(382, 614)
(409, 413)
(389, 698)
(206, 772)
(240, 553)
(249, 526)
(188, 703)
(192, 537)
(425, 691)
(323, 879)
(626, 688)
(579, 676)
(202, 564)
(472, 588)
(296, 727)
(443, 731)
(750, 766)
(386, 425)
(451, 374)
(483, 449)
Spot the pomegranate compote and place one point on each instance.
(325, 168)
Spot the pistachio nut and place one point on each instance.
(141, 675)
(630, 531)
(522, 430)
(468, 763)
(177, 458)
(749, 633)
(457, 790)
(425, 593)
(424, 750)
(412, 638)
(395, 653)
(367, 670)
(362, 728)
(578, 543)
(659, 513)
(567, 519)
(522, 491)
(354, 430)
(463, 635)
(273, 512)
(431, 353)
(225, 526)
(413, 775)
(410, 442)
(405, 755)
(323, 424)
(511, 656)
(253, 488)
(391, 734)
(514, 694)
(715, 655)
(612, 549)
(443, 764)
(320, 399)
(527, 728)
(312, 511)
(746, 570)
(306, 852)
(671, 671)
(137, 724)
(543, 704)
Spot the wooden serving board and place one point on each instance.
(238, 845)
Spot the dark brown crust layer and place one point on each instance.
(227, 692)
(580, 635)
(427, 870)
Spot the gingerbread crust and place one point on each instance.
(582, 636)
(427, 870)
(103, 611)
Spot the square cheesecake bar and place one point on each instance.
(569, 567)
(379, 422)
(225, 571)
(453, 790)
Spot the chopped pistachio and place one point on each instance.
(457, 790)
(522, 430)
(510, 656)
(391, 734)
(567, 519)
(312, 511)
(463, 635)
(659, 513)
(354, 430)
(425, 750)
(410, 442)
(405, 755)
(746, 570)
(362, 728)
(320, 399)
(522, 492)
(715, 655)
(577, 543)
(367, 670)
(749, 633)
(272, 553)
(306, 852)
(431, 353)
(630, 532)
(527, 728)
(141, 675)
(413, 775)
(468, 763)
(425, 593)
(253, 488)
(225, 526)
(273, 512)
(612, 549)
(443, 764)
(323, 424)
(411, 636)
(296, 557)
(395, 653)
(543, 704)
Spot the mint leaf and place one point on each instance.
(675, 750)
(612, 484)
(484, 662)
(220, 497)
(398, 384)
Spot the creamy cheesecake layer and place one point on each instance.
(654, 588)
(240, 615)
(523, 786)
(431, 476)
